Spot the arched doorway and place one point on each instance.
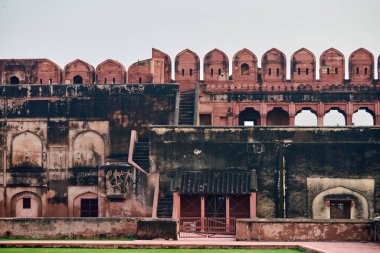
(306, 117)
(363, 117)
(334, 117)
(78, 79)
(278, 117)
(249, 117)
(14, 80)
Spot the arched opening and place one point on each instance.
(86, 205)
(244, 69)
(27, 149)
(88, 150)
(14, 80)
(334, 117)
(249, 117)
(306, 117)
(78, 79)
(26, 204)
(278, 117)
(363, 117)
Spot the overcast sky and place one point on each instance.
(127, 30)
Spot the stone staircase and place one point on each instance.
(141, 155)
(186, 108)
(165, 207)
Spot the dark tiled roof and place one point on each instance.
(214, 182)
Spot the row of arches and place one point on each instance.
(306, 117)
(187, 68)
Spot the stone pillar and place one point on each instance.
(292, 114)
(252, 205)
(349, 113)
(227, 211)
(263, 119)
(320, 114)
(203, 213)
(176, 205)
(348, 119)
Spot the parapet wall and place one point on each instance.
(303, 230)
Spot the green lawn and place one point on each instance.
(76, 250)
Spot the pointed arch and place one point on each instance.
(361, 65)
(81, 68)
(273, 65)
(187, 67)
(216, 66)
(244, 67)
(14, 68)
(110, 72)
(302, 66)
(332, 68)
(48, 72)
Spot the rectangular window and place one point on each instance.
(50, 81)
(269, 71)
(357, 71)
(212, 72)
(140, 80)
(26, 203)
(183, 72)
(220, 72)
(278, 72)
(307, 71)
(113, 80)
(105, 80)
(340, 209)
(365, 71)
(205, 120)
(328, 71)
(89, 207)
(40, 81)
(299, 71)
(336, 71)
(191, 72)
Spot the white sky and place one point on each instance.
(126, 30)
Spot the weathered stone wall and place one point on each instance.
(303, 230)
(291, 163)
(54, 137)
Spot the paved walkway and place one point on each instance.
(314, 247)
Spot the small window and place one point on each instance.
(336, 71)
(365, 71)
(183, 72)
(89, 208)
(212, 72)
(307, 71)
(357, 71)
(50, 81)
(220, 72)
(328, 71)
(140, 80)
(205, 119)
(26, 203)
(278, 72)
(191, 72)
(270, 72)
(340, 209)
(105, 80)
(40, 81)
(113, 80)
(299, 71)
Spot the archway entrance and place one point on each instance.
(278, 117)
(249, 117)
(78, 79)
(14, 80)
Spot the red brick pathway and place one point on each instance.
(314, 247)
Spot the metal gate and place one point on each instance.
(207, 227)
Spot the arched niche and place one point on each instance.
(321, 208)
(26, 204)
(27, 150)
(249, 117)
(88, 150)
(278, 117)
(86, 205)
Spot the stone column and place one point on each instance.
(203, 213)
(176, 205)
(252, 205)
